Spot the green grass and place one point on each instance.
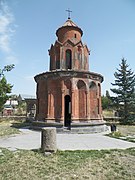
(68, 165)
(10, 127)
(124, 132)
(7, 130)
(108, 113)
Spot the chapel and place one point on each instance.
(69, 93)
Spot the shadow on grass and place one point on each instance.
(18, 125)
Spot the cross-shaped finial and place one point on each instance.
(69, 12)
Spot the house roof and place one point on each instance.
(22, 97)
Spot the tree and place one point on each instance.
(124, 91)
(6, 68)
(106, 101)
(5, 87)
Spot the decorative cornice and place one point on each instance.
(69, 73)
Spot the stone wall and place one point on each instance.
(84, 92)
(12, 118)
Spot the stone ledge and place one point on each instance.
(76, 128)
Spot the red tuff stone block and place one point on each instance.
(69, 92)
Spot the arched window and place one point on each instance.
(81, 99)
(57, 57)
(81, 85)
(92, 85)
(68, 59)
(99, 89)
(58, 64)
(94, 111)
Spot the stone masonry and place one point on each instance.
(69, 93)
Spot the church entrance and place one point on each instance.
(67, 115)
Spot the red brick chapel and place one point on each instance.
(69, 93)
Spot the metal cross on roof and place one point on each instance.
(69, 13)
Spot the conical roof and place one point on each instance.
(69, 23)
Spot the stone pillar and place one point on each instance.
(49, 103)
(62, 98)
(99, 102)
(62, 108)
(72, 99)
(73, 105)
(87, 104)
(48, 139)
(100, 107)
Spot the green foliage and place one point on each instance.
(116, 134)
(125, 92)
(106, 101)
(5, 88)
(6, 68)
(21, 108)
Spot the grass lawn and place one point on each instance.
(6, 130)
(10, 127)
(68, 165)
(124, 132)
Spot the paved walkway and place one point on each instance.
(29, 139)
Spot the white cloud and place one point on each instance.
(7, 27)
(5, 43)
(4, 23)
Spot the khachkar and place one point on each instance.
(69, 94)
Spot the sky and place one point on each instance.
(28, 27)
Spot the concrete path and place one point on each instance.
(29, 139)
